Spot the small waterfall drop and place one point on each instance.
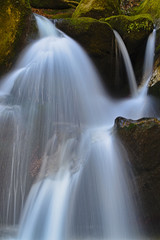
(128, 64)
(148, 61)
(62, 147)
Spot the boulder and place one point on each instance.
(97, 8)
(142, 141)
(134, 30)
(14, 19)
(97, 39)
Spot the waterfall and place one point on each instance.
(56, 121)
(148, 61)
(128, 64)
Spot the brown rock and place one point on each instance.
(142, 140)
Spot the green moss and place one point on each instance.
(93, 35)
(149, 6)
(133, 29)
(13, 15)
(97, 8)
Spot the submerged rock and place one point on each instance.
(14, 19)
(141, 139)
(97, 8)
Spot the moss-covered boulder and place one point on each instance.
(141, 139)
(96, 38)
(93, 35)
(97, 8)
(133, 29)
(52, 4)
(14, 18)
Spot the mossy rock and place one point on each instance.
(142, 141)
(14, 18)
(52, 4)
(97, 39)
(93, 35)
(97, 8)
(151, 7)
(133, 29)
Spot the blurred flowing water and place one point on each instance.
(59, 147)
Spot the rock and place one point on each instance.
(142, 141)
(97, 8)
(134, 30)
(14, 21)
(154, 84)
(54, 13)
(52, 4)
(97, 39)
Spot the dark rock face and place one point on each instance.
(53, 4)
(142, 141)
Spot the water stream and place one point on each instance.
(56, 124)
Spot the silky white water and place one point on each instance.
(56, 122)
(128, 64)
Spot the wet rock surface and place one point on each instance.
(97, 39)
(142, 141)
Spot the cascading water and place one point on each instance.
(127, 61)
(60, 121)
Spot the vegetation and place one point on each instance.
(151, 7)
(97, 8)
